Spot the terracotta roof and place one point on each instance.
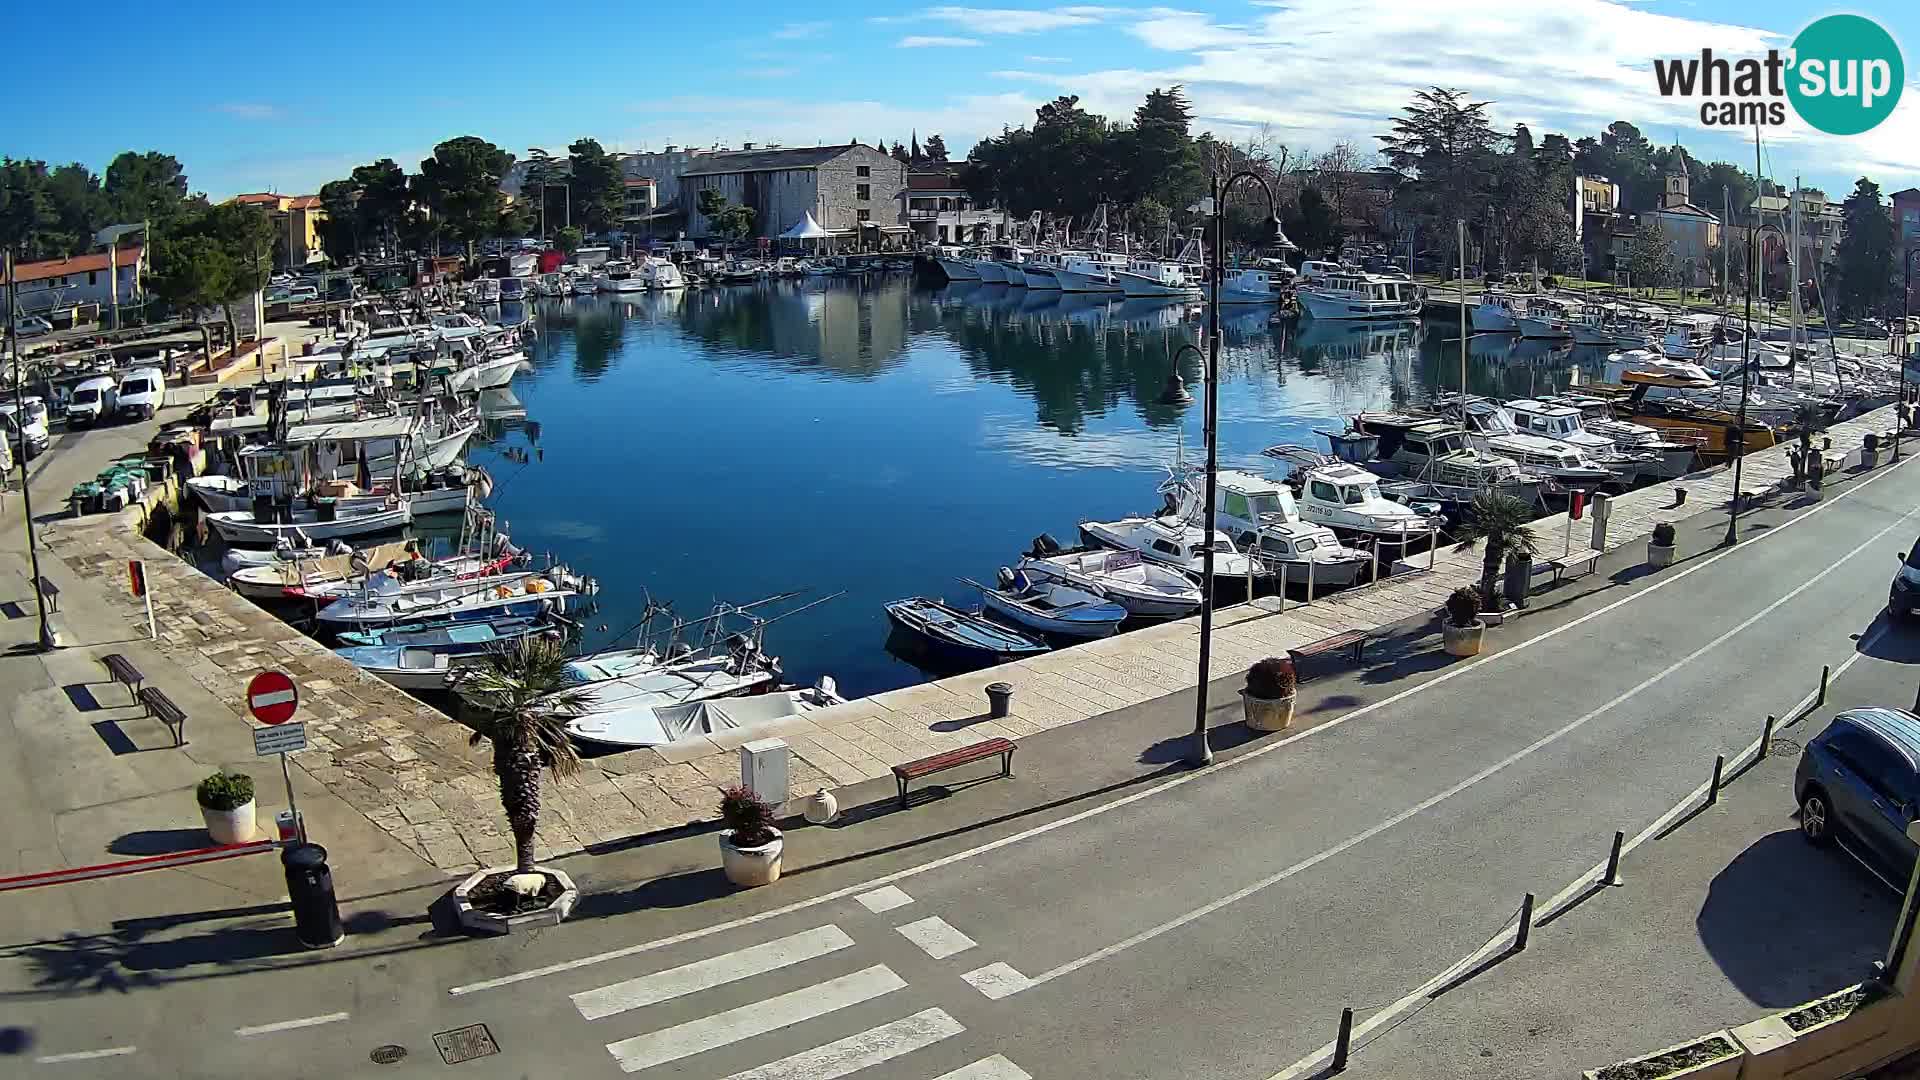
(259, 198)
(304, 202)
(78, 264)
(936, 181)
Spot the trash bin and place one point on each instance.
(316, 915)
(999, 700)
(1519, 578)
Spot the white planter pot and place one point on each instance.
(751, 866)
(233, 826)
(1659, 557)
(1268, 714)
(1463, 640)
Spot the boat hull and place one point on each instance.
(238, 527)
(958, 270)
(990, 272)
(1136, 285)
(1030, 619)
(1335, 307)
(1075, 281)
(944, 647)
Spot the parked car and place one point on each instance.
(141, 393)
(1860, 779)
(29, 434)
(1903, 596)
(94, 400)
(32, 326)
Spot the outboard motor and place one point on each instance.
(1005, 577)
(1044, 545)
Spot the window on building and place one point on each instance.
(863, 170)
(93, 277)
(866, 215)
(863, 192)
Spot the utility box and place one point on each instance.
(1602, 507)
(763, 769)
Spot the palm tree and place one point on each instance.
(1808, 421)
(520, 703)
(1499, 523)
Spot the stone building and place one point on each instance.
(1693, 232)
(849, 189)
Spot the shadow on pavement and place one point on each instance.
(1787, 922)
(1884, 639)
(158, 841)
(15, 1040)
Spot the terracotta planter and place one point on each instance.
(1659, 557)
(1463, 640)
(1268, 714)
(233, 826)
(750, 867)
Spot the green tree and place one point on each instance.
(192, 273)
(729, 220)
(1314, 228)
(214, 257)
(1866, 270)
(936, 149)
(461, 184)
(384, 201)
(1650, 254)
(597, 185)
(148, 186)
(340, 234)
(1156, 158)
(1724, 185)
(520, 704)
(899, 153)
(1444, 143)
(568, 240)
(28, 222)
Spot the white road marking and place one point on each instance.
(990, 1068)
(1162, 788)
(722, 1029)
(884, 899)
(997, 980)
(704, 974)
(85, 1055)
(936, 937)
(1431, 801)
(289, 1025)
(856, 1052)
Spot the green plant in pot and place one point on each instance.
(1462, 628)
(1498, 523)
(226, 806)
(1660, 547)
(750, 845)
(1268, 697)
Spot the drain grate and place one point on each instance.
(387, 1055)
(465, 1044)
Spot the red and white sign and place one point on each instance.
(271, 697)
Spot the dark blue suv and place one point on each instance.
(1861, 778)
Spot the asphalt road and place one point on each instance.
(1193, 924)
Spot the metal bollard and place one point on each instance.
(316, 914)
(1433, 544)
(1343, 1046)
(999, 700)
(1826, 675)
(1612, 876)
(1309, 579)
(1766, 736)
(1525, 931)
(1713, 789)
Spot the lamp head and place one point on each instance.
(1280, 236)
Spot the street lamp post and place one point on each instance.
(48, 638)
(1201, 753)
(1906, 349)
(1737, 442)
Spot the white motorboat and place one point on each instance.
(1436, 455)
(1260, 515)
(619, 276)
(1498, 313)
(661, 274)
(409, 668)
(1676, 456)
(1359, 296)
(1490, 428)
(1051, 607)
(1346, 498)
(668, 714)
(585, 285)
(1545, 318)
(485, 291)
(1173, 542)
(1145, 589)
(238, 527)
(1089, 272)
(1039, 270)
(957, 264)
(512, 290)
(433, 575)
(486, 373)
(1158, 278)
(1253, 287)
(1565, 424)
(387, 601)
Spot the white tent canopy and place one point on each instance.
(806, 229)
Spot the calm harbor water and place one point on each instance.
(889, 439)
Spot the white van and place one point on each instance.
(1314, 271)
(92, 401)
(141, 393)
(30, 433)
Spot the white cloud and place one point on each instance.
(1048, 59)
(801, 31)
(250, 110)
(1010, 20)
(918, 41)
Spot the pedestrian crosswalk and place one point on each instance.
(804, 995)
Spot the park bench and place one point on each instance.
(51, 593)
(121, 670)
(1589, 558)
(927, 766)
(162, 708)
(1354, 639)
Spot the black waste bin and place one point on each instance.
(316, 916)
(999, 700)
(1519, 578)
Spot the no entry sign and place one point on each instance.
(271, 697)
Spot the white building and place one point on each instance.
(105, 278)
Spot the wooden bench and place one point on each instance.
(50, 593)
(162, 708)
(121, 670)
(927, 766)
(1589, 558)
(1355, 639)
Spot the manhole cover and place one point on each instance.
(465, 1044)
(387, 1055)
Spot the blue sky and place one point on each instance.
(254, 97)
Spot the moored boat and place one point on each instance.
(960, 636)
(1050, 607)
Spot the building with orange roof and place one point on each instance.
(297, 221)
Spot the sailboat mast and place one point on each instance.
(1460, 242)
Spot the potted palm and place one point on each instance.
(749, 844)
(226, 806)
(1498, 523)
(1462, 628)
(1268, 697)
(520, 705)
(1660, 547)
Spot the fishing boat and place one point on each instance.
(1359, 296)
(1147, 277)
(1260, 515)
(1143, 588)
(413, 572)
(1437, 454)
(1252, 286)
(1173, 542)
(1347, 499)
(241, 528)
(960, 637)
(1498, 313)
(280, 579)
(1545, 318)
(1089, 272)
(1490, 428)
(663, 720)
(1677, 449)
(1052, 608)
(386, 602)
(451, 638)
(408, 668)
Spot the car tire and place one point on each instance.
(1816, 817)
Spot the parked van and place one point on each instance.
(141, 393)
(29, 433)
(93, 401)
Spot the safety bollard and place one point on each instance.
(316, 914)
(1433, 544)
(1525, 931)
(1713, 789)
(1612, 876)
(1343, 1046)
(1826, 675)
(1309, 580)
(1766, 736)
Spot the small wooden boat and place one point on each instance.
(1051, 607)
(407, 668)
(451, 639)
(960, 636)
(660, 719)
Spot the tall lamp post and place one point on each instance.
(49, 638)
(1737, 440)
(1200, 753)
(1906, 349)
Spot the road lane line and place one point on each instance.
(704, 974)
(988, 1068)
(884, 899)
(1169, 785)
(856, 1052)
(1578, 887)
(289, 1025)
(725, 1028)
(1431, 801)
(936, 937)
(84, 1055)
(997, 980)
